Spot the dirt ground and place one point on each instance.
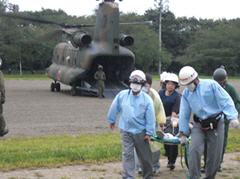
(231, 170)
(32, 110)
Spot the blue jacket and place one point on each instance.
(135, 112)
(209, 98)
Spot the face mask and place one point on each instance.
(135, 87)
(191, 87)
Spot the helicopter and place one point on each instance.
(74, 62)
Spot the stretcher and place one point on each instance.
(174, 141)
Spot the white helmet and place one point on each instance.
(186, 75)
(172, 77)
(163, 75)
(137, 76)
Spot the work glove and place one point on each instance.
(183, 139)
(234, 123)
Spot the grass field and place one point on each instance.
(53, 151)
(26, 77)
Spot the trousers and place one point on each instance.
(129, 142)
(214, 140)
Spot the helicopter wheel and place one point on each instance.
(58, 87)
(52, 87)
(73, 91)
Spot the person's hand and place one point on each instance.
(161, 125)
(147, 138)
(183, 139)
(234, 123)
(112, 126)
(190, 125)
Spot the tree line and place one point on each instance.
(203, 43)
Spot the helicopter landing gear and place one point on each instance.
(55, 86)
(73, 91)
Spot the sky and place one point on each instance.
(210, 9)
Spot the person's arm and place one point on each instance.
(150, 118)
(175, 109)
(159, 109)
(184, 116)
(96, 75)
(161, 116)
(235, 97)
(114, 110)
(104, 76)
(2, 88)
(225, 102)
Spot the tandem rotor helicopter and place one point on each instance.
(75, 63)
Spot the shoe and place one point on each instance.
(139, 172)
(171, 166)
(5, 131)
(202, 169)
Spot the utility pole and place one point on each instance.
(160, 36)
(160, 6)
(20, 67)
(20, 62)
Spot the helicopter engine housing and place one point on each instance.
(126, 40)
(81, 39)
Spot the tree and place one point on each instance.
(214, 47)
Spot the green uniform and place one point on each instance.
(2, 100)
(100, 77)
(235, 97)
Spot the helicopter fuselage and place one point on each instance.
(74, 64)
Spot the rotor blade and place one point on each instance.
(137, 23)
(42, 21)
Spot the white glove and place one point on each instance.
(234, 123)
(183, 140)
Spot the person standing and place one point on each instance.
(100, 77)
(3, 127)
(209, 103)
(220, 75)
(171, 102)
(137, 124)
(160, 121)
